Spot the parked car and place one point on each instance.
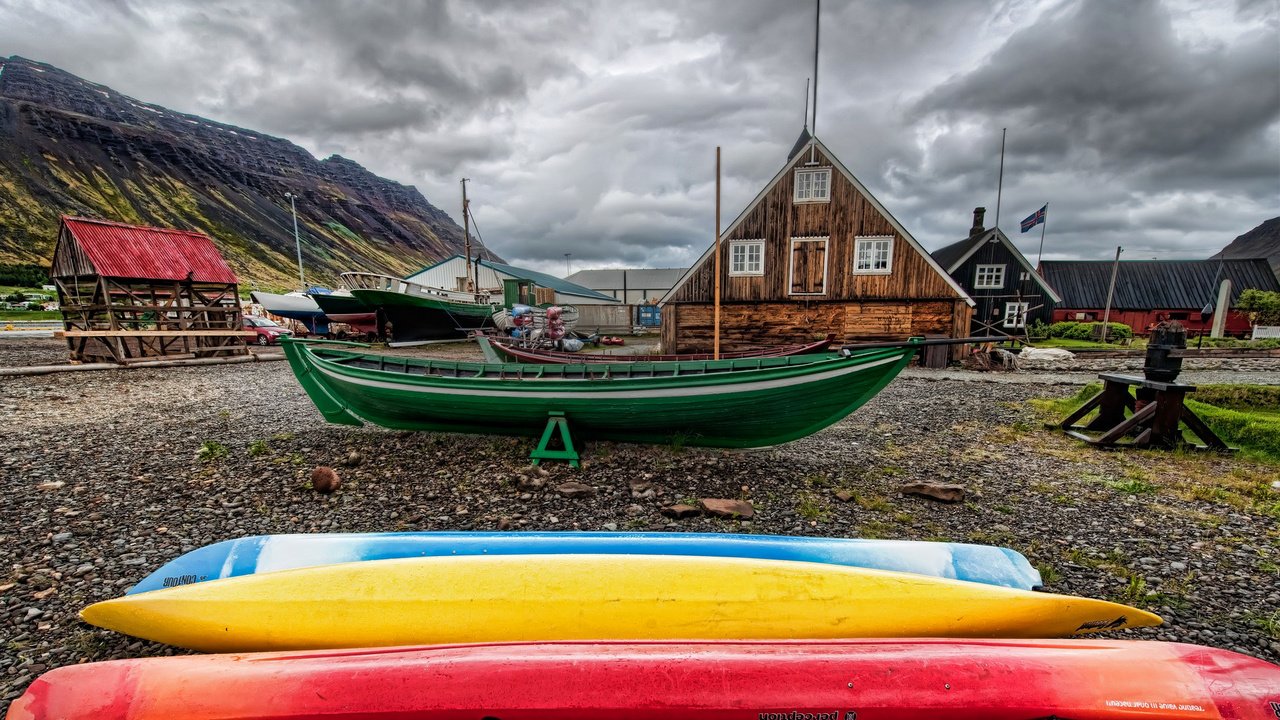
(268, 332)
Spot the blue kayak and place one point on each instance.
(268, 553)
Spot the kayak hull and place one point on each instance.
(866, 680)
(270, 553)
(380, 603)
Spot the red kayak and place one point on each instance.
(833, 680)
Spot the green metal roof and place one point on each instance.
(560, 285)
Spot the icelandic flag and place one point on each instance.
(1035, 218)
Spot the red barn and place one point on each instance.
(1149, 291)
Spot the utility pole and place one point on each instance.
(715, 343)
(297, 243)
(568, 269)
(1111, 291)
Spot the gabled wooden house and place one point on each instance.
(1008, 291)
(132, 293)
(814, 253)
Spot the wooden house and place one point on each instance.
(1008, 291)
(1149, 291)
(814, 253)
(132, 293)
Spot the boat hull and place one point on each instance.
(348, 310)
(302, 308)
(769, 401)
(867, 680)
(381, 603)
(415, 319)
(271, 553)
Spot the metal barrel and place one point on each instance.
(1167, 337)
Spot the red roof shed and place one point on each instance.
(110, 249)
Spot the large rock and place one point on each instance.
(680, 511)
(575, 489)
(935, 491)
(724, 507)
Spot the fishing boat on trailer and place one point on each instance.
(300, 306)
(498, 350)
(419, 313)
(746, 402)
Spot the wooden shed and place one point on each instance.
(130, 293)
(814, 253)
(1008, 291)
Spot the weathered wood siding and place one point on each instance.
(689, 327)
(69, 260)
(849, 214)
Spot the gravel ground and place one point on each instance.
(102, 483)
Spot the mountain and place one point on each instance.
(1260, 242)
(69, 146)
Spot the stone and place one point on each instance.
(639, 486)
(53, 485)
(724, 507)
(680, 511)
(610, 526)
(575, 489)
(325, 479)
(1177, 566)
(634, 510)
(525, 482)
(844, 495)
(353, 459)
(935, 491)
(504, 523)
(62, 537)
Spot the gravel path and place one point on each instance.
(102, 483)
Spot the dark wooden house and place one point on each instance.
(814, 253)
(132, 293)
(1149, 291)
(1008, 291)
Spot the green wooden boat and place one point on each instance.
(752, 402)
(419, 313)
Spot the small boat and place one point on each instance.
(511, 352)
(340, 306)
(841, 680)
(418, 313)
(750, 402)
(484, 598)
(298, 306)
(271, 553)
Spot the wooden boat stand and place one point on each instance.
(556, 421)
(1154, 424)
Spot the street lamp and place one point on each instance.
(297, 243)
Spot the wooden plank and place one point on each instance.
(153, 333)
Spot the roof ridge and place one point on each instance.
(116, 223)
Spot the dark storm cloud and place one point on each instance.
(590, 127)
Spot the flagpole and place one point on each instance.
(1000, 182)
(1043, 226)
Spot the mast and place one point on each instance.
(1000, 182)
(466, 234)
(715, 343)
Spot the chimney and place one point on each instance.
(978, 215)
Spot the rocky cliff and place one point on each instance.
(69, 146)
(1260, 242)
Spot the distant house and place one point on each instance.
(634, 286)
(814, 253)
(1008, 290)
(451, 274)
(1149, 291)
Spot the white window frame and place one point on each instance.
(858, 244)
(1013, 311)
(791, 254)
(807, 195)
(746, 271)
(995, 282)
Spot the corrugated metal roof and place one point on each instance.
(948, 255)
(542, 279)
(130, 251)
(1154, 284)
(637, 279)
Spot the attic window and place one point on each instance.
(813, 185)
(873, 256)
(989, 277)
(746, 257)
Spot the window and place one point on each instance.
(746, 257)
(873, 256)
(813, 185)
(1015, 314)
(990, 277)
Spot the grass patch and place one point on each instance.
(1048, 573)
(811, 508)
(1255, 433)
(211, 451)
(30, 315)
(1072, 344)
(259, 447)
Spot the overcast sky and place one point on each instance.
(590, 127)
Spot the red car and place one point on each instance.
(268, 332)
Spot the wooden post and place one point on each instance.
(715, 343)
(1111, 290)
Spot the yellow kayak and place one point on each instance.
(588, 597)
